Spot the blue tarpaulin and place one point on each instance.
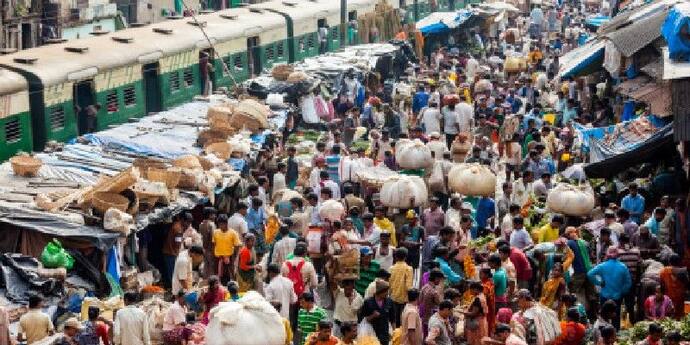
(440, 22)
(597, 21)
(675, 31)
(584, 58)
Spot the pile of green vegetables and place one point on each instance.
(359, 144)
(310, 135)
(641, 329)
(481, 241)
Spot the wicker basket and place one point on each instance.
(187, 162)
(121, 181)
(205, 163)
(26, 166)
(282, 72)
(220, 150)
(210, 136)
(145, 163)
(188, 181)
(102, 201)
(171, 177)
(296, 77)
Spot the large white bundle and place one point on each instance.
(571, 200)
(413, 154)
(240, 144)
(249, 321)
(397, 191)
(472, 179)
(331, 210)
(349, 168)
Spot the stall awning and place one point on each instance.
(674, 69)
(583, 59)
(440, 22)
(656, 147)
(635, 36)
(597, 21)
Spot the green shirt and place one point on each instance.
(366, 276)
(500, 282)
(307, 321)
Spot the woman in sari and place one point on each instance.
(553, 288)
(247, 265)
(488, 289)
(214, 294)
(658, 305)
(674, 279)
(476, 326)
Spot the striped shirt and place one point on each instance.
(333, 167)
(366, 276)
(631, 258)
(307, 321)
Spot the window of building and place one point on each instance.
(280, 50)
(270, 53)
(237, 62)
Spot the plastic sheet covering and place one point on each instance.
(440, 22)
(604, 142)
(19, 278)
(676, 31)
(52, 225)
(657, 146)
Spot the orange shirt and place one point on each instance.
(310, 340)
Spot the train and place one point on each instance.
(145, 69)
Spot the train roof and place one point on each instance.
(83, 58)
(303, 12)
(11, 82)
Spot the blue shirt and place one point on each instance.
(420, 100)
(486, 208)
(256, 218)
(614, 276)
(653, 226)
(452, 277)
(634, 205)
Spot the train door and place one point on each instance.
(152, 89)
(85, 105)
(206, 71)
(352, 27)
(253, 56)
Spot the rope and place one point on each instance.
(215, 53)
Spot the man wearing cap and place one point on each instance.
(411, 236)
(614, 279)
(368, 269)
(71, 328)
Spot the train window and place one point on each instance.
(270, 53)
(237, 62)
(130, 96)
(188, 77)
(13, 132)
(310, 41)
(174, 82)
(335, 33)
(57, 117)
(111, 101)
(280, 50)
(301, 44)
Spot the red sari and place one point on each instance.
(490, 295)
(210, 300)
(675, 289)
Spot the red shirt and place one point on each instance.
(572, 333)
(523, 269)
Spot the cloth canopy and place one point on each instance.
(582, 59)
(440, 22)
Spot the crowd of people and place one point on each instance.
(422, 277)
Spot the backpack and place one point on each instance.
(295, 275)
(88, 335)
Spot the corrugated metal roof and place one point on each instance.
(630, 39)
(631, 15)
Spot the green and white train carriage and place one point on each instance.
(15, 117)
(357, 9)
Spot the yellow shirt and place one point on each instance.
(225, 242)
(35, 325)
(386, 225)
(547, 234)
(400, 281)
